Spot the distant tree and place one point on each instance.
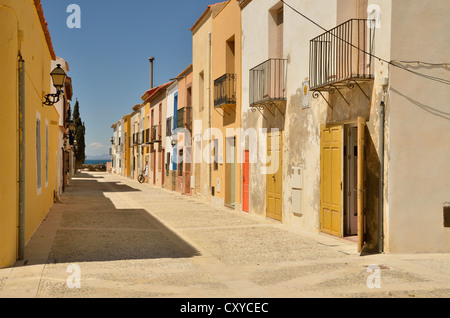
(80, 131)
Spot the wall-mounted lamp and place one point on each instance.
(58, 78)
(72, 126)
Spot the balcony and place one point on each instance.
(225, 90)
(342, 56)
(156, 134)
(268, 83)
(184, 118)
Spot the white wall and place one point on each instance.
(171, 91)
(419, 128)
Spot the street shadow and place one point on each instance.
(93, 228)
(90, 182)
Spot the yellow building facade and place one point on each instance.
(26, 53)
(226, 94)
(126, 145)
(202, 99)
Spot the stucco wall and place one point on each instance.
(22, 32)
(201, 63)
(419, 151)
(226, 25)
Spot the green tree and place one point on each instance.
(80, 131)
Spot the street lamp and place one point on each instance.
(72, 126)
(58, 78)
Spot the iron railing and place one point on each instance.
(225, 90)
(342, 53)
(268, 81)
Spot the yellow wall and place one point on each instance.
(201, 63)
(21, 31)
(226, 24)
(126, 145)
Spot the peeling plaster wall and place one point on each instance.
(302, 130)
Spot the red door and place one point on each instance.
(245, 183)
(154, 167)
(163, 156)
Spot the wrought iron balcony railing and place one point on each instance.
(268, 82)
(342, 54)
(225, 90)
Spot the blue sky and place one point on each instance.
(108, 55)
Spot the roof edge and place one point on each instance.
(44, 25)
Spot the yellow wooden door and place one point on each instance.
(331, 180)
(274, 179)
(360, 182)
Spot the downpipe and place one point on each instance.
(21, 248)
(381, 180)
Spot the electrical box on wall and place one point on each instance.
(297, 178)
(296, 201)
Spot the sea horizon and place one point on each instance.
(96, 161)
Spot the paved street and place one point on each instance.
(125, 239)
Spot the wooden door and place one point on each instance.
(331, 172)
(245, 181)
(274, 178)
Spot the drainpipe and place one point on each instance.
(209, 104)
(381, 179)
(21, 248)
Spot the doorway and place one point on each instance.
(342, 179)
(246, 181)
(274, 179)
(230, 172)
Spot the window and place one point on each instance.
(169, 126)
(201, 93)
(276, 33)
(189, 96)
(38, 153)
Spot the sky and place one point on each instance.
(108, 54)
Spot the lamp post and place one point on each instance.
(59, 78)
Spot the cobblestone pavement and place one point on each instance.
(113, 237)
